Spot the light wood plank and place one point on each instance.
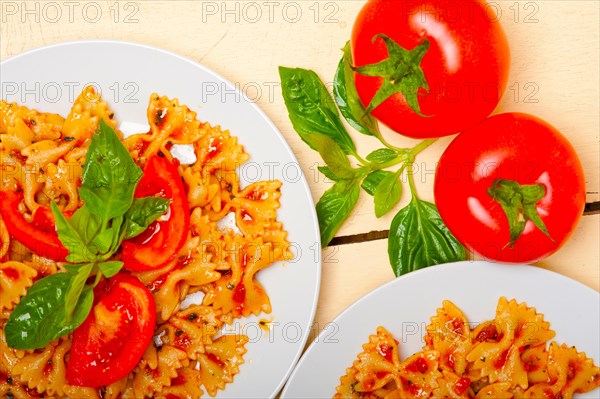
(555, 66)
(554, 52)
(352, 271)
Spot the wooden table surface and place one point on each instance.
(554, 74)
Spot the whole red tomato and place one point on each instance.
(511, 189)
(441, 66)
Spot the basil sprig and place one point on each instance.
(57, 304)
(418, 237)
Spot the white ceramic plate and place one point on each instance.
(50, 78)
(404, 307)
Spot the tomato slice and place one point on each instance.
(160, 243)
(43, 220)
(39, 236)
(115, 335)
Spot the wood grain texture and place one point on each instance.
(352, 271)
(555, 75)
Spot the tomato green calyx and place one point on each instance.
(401, 73)
(519, 204)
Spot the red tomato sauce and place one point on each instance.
(215, 359)
(462, 385)
(11, 273)
(386, 352)
(418, 366)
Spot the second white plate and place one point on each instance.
(404, 307)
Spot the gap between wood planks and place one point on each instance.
(591, 208)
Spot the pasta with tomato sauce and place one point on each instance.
(508, 357)
(41, 159)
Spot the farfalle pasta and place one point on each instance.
(41, 156)
(509, 357)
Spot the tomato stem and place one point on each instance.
(421, 146)
(405, 155)
(400, 73)
(399, 159)
(388, 145)
(411, 179)
(360, 159)
(519, 203)
(410, 161)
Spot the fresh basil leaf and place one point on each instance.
(335, 206)
(311, 108)
(387, 194)
(80, 275)
(332, 154)
(41, 316)
(109, 239)
(72, 268)
(382, 155)
(110, 175)
(118, 224)
(110, 268)
(370, 183)
(328, 173)
(104, 240)
(419, 238)
(347, 99)
(71, 239)
(142, 213)
(85, 223)
(84, 306)
(59, 303)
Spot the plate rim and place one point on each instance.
(407, 277)
(313, 214)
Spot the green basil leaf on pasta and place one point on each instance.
(110, 238)
(71, 239)
(110, 268)
(142, 213)
(86, 224)
(41, 316)
(109, 176)
(79, 275)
